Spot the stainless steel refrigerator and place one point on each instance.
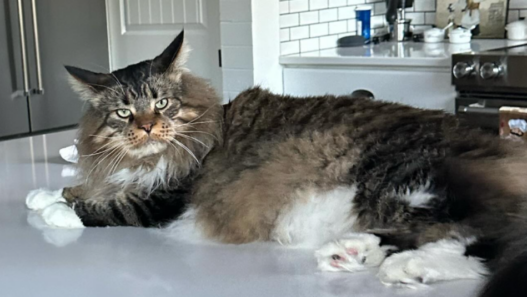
(37, 38)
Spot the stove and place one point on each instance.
(488, 80)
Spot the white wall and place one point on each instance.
(250, 46)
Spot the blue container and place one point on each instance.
(363, 19)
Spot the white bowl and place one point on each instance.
(434, 35)
(460, 35)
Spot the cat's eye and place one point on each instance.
(161, 104)
(123, 113)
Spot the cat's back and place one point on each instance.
(258, 110)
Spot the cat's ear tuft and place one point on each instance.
(174, 56)
(89, 84)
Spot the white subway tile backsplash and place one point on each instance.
(308, 45)
(425, 5)
(430, 18)
(284, 35)
(352, 25)
(518, 4)
(380, 8)
(356, 2)
(290, 47)
(330, 19)
(514, 15)
(328, 15)
(346, 12)
(307, 18)
(418, 18)
(284, 7)
(299, 32)
(318, 30)
(337, 3)
(338, 27)
(298, 6)
(329, 41)
(318, 4)
(289, 20)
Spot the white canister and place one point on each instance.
(434, 35)
(460, 35)
(517, 30)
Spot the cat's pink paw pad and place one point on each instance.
(354, 253)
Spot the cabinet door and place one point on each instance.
(427, 88)
(13, 108)
(71, 32)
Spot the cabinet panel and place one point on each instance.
(72, 32)
(13, 110)
(419, 88)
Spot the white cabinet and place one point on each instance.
(419, 87)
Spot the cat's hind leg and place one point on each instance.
(354, 252)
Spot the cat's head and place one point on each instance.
(150, 108)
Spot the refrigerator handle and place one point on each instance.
(23, 51)
(40, 88)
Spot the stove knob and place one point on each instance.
(462, 69)
(490, 70)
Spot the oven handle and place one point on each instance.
(478, 110)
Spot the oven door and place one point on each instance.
(484, 112)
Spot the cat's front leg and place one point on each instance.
(72, 194)
(355, 252)
(54, 209)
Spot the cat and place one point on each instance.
(372, 183)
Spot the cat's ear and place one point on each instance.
(173, 57)
(89, 84)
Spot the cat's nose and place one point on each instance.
(147, 127)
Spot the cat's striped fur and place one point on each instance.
(417, 176)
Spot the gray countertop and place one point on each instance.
(40, 261)
(400, 54)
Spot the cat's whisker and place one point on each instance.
(187, 150)
(97, 152)
(202, 132)
(116, 148)
(192, 138)
(121, 158)
(99, 136)
(195, 123)
(113, 162)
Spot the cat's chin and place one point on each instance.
(149, 148)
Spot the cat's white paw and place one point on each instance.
(354, 253)
(61, 216)
(406, 269)
(42, 198)
(438, 261)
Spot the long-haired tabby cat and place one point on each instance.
(387, 185)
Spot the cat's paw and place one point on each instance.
(60, 215)
(404, 269)
(42, 198)
(438, 261)
(354, 253)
